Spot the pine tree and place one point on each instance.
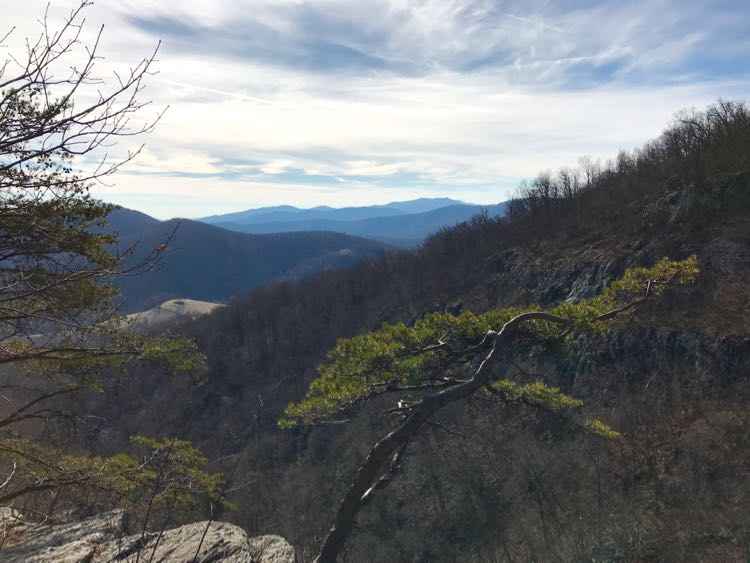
(443, 359)
(59, 323)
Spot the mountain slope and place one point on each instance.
(127, 222)
(423, 204)
(168, 312)
(489, 482)
(208, 263)
(289, 213)
(409, 227)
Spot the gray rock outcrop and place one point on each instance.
(101, 539)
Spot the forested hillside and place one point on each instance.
(504, 485)
(208, 263)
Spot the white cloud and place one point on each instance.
(170, 161)
(472, 96)
(277, 166)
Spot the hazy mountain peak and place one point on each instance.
(404, 223)
(423, 204)
(351, 213)
(230, 263)
(249, 213)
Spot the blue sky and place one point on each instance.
(327, 102)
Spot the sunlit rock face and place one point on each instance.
(101, 538)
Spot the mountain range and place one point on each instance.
(208, 263)
(240, 251)
(405, 223)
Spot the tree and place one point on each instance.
(443, 359)
(54, 258)
(59, 324)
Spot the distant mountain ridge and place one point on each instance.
(406, 223)
(207, 263)
(225, 256)
(286, 212)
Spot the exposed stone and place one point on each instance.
(100, 539)
(72, 542)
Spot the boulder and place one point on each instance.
(101, 539)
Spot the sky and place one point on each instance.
(360, 102)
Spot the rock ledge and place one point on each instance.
(101, 539)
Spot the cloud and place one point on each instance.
(171, 161)
(251, 40)
(339, 102)
(530, 42)
(277, 166)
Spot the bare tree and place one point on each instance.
(58, 321)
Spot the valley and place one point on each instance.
(208, 263)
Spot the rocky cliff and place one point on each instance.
(495, 484)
